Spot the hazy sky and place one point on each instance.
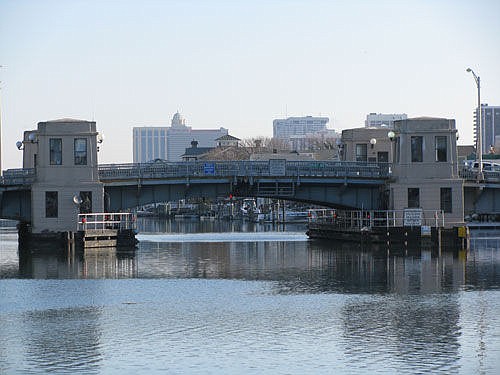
(241, 64)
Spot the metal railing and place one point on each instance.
(18, 176)
(470, 174)
(358, 219)
(104, 221)
(164, 169)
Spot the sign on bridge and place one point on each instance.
(209, 169)
(277, 167)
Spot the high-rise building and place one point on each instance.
(298, 130)
(376, 120)
(169, 143)
(491, 128)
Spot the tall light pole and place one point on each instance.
(479, 131)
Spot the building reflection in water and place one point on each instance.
(104, 263)
(297, 266)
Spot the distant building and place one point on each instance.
(227, 141)
(491, 127)
(194, 152)
(170, 143)
(376, 120)
(223, 151)
(301, 132)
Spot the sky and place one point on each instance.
(240, 64)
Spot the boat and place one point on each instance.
(249, 210)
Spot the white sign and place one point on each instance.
(412, 217)
(277, 167)
(425, 230)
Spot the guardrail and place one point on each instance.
(284, 168)
(358, 219)
(104, 221)
(18, 176)
(469, 174)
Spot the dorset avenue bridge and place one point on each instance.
(340, 184)
(330, 183)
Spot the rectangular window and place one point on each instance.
(86, 205)
(417, 149)
(51, 205)
(55, 146)
(413, 197)
(441, 148)
(361, 152)
(80, 151)
(446, 200)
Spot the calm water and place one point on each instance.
(202, 298)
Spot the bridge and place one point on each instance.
(338, 184)
(330, 183)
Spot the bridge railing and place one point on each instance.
(470, 174)
(244, 169)
(108, 220)
(18, 176)
(357, 219)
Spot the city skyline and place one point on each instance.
(240, 65)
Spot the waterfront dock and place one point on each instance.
(106, 230)
(410, 227)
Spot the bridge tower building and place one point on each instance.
(422, 154)
(425, 173)
(64, 155)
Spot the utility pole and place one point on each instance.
(479, 130)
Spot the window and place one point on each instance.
(80, 151)
(86, 205)
(51, 206)
(417, 149)
(413, 197)
(361, 152)
(446, 200)
(441, 148)
(55, 146)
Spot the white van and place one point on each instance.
(488, 166)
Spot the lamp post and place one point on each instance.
(479, 131)
(391, 135)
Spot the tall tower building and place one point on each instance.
(491, 127)
(169, 143)
(299, 131)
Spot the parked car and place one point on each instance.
(488, 166)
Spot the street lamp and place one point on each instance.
(391, 135)
(479, 145)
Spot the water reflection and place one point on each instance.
(105, 263)
(152, 225)
(296, 266)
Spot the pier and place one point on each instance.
(410, 227)
(106, 230)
